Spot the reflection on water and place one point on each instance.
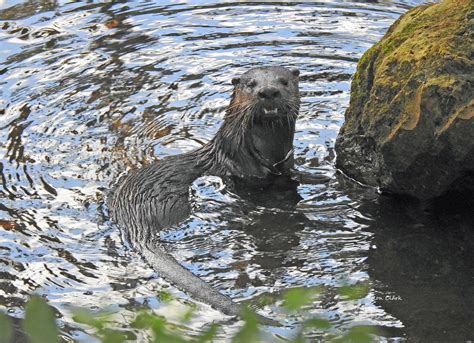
(429, 282)
(90, 90)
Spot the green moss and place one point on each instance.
(421, 37)
(427, 28)
(412, 89)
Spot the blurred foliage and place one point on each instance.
(6, 332)
(41, 327)
(40, 324)
(353, 292)
(249, 332)
(296, 298)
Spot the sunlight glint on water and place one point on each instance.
(88, 91)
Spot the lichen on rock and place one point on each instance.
(409, 128)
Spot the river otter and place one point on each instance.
(252, 149)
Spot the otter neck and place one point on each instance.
(258, 149)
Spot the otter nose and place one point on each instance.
(269, 93)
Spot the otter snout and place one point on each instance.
(269, 93)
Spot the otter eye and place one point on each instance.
(252, 83)
(283, 81)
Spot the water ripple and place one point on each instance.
(90, 90)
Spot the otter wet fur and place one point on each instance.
(253, 147)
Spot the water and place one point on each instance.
(90, 90)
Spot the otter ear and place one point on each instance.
(295, 72)
(236, 81)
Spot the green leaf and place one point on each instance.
(168, 337)
(165, 296)
(148, 320)
(113, 336)
(87, 318)
(317, 323)
(353, 292)
(142, 321)
(159, 327)
(97, 321)
(299, 338)
(208, 334)
(189, 313)
(249, 332)
(6, 332)
(40, 323)
(296, 298)
(263, 300)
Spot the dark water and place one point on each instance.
(90, 90)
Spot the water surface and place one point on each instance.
(90, 90)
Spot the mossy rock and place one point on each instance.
(409, 128)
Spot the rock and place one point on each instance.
(409, 128)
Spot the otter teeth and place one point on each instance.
(268, 111)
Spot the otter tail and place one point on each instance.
(167, 266)
(154, 197)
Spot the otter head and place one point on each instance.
(268, 94)
(258, 129)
